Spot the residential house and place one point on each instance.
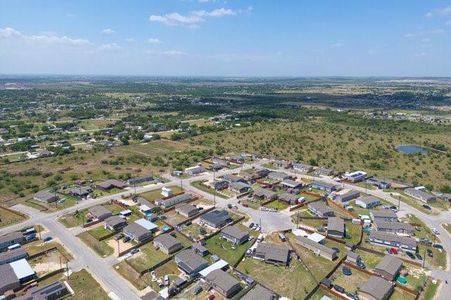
(187, 210)
(137, 232)
(166, 192)
(375, 288)
(389, 267)
(167, 243)
(302, 168)
(320, 209)
(235, 235)
(146, 206)
(233, 178)
(344, 196)
(9, 279)
(367, 202)
(115, 223)
(393, 240)
(266, 194)
(46, 197)
(223, 283)
(111, 184)
(280, 163)
(239, 187)
(324, 186)
(12, 255)
(379, 182)
(289, 198)
(394, 227)
(317, 248)
(321, 171)
(199, 249)
(272, 253)
(278, 176)
(386, 215)
(53, 291)
(189, 262)
(259, 292)
(80, 191)
(215, 218)
(139, 180)
(99, 212)
(10, 239)
(196, 170)
(219, 185)
(218, 163)
(356, 176)
(336, 227)
(420, 195)
(169, 202)
(291, 184)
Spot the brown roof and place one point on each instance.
(377, 287)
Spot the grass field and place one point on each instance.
(430, 290)
(349, 283)
(8, 218)
(148, 258)
(74, 219)
(85, 286)
(101, 248)
(38, 246)
(293, 281)
(99, 232)
(353, 232)
(156, 194)
(277, 204)
(130, 274)
(201, 186)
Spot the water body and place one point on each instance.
(411, 149)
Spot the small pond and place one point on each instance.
(411, 149)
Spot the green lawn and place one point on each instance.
(148, 258)
(349, 283)
(293, 281)
(101, 248)
(201, 186)
(85, 286)
(156, 194)
(430, 290)
(74, 219)
(277, 204)
(130, 274)
(353, 232)
(99, 232)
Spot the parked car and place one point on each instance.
(211, 297)
(410, 254)
(429, 252)
(197, 290)
(251, 226)
(134, 251)
(418, 255)
(126, 239)
(346, 271)
(427, 206)
(393, 251)
(339, 288)
(48, 239)
(438, 246)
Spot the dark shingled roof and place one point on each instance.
(377, 287)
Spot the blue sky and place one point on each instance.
(226, 38)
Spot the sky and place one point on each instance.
(226, 38)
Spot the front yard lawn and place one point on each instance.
(101, 248)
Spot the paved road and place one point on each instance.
(100, 268)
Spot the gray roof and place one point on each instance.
(288, 197)
(12, 255)
(190, 259)
(324, 184)
(352, 255)
(259, 293)
(320, 207)
(45, 292)
(7, 275)
(389, 264)
(316, 245)
(10, 237)
(238, 185)
(390, 237)
(231, 178)
(377, 287)
(216, 217)
(368, 199)
(383, 213)
(350, 193)
(186, 208)
(114, 221)
(99, 210)
(290, 182)
(80, 190)
(419, 194)
(110, 183)
(273, 252)
(336, 224)
(167, 241)
(278, 175)
(222, 279)
(144, 201)
(177, 199)
(393, 226)
(260, 192)
(136, 230)
(235, 232)
(45, 195)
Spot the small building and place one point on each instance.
(289, 198)
(199, 249)
(111, 184)
(344, 196)
(279, 176)
(125, 213)
(167, 243)
(187, 210)
(219, 185)
(234, 235)
(139, 180)
(266, 194)
(322, 171)
(379, 182)
(389, 267)
(215, 218)
(320, 209)
(280, 163)
(353, 257)
(393, 240)
(194, 170)
(9, 280)
(230, 178)
(317, 248)
(189, 262)
(115, 223)
(10, 239)
(100, 212)
(367, 202)
(146, 206)
(239, 187)
(12, 255)
(420, 195)
(53, 291)
(46, 197)
(272, 253)
(376, 288)
(223, 283)
(336, 227)
(356, 176)
(323, 186)
(394, 227)
(169, 202)
(291, 184)
(166, 192)
(140, 230)
(302, 168)
(23, 270)
(385, 215)
(218, 163)
(259, 292)
(80, 191)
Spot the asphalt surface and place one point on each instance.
(119, 288)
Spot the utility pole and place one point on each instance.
(399, 202)
(118, 248)
(424, 257)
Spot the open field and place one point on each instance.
(349, 283)
(201, 186)
(156, 194)
(85, 286)
(130, 274)
(100, 247)
(8, 218)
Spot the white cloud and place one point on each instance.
(429, 14)
(409, 35)
(46, 38)
(174, 53)
(109, 47)
(108, 31)
(337, 45)
(191, 19)
(445, 10)
(153, 41)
